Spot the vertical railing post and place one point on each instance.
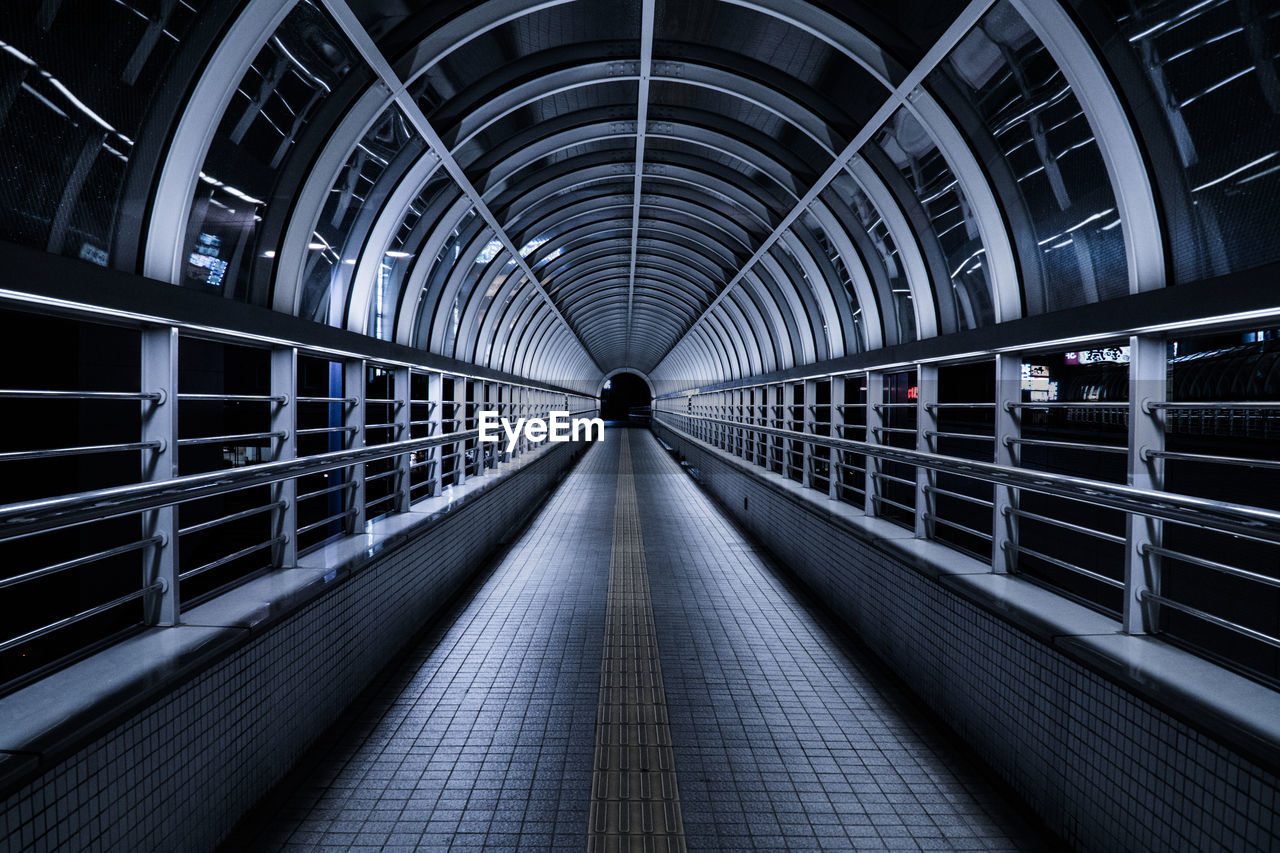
(1007, 427)
(1148, 383)
(926, 422)
(284, 419)
(460, 424)
(809, 423)
(834, 471)
(435, 455)
(874, 420)
(160, 424)
(354, 387)
(402, 385)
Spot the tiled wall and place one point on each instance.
(1104, 768)
(180, 774)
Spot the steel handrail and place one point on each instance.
(27, 517)
(1187, 509)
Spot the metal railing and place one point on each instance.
(303, 445)
(1080, 505)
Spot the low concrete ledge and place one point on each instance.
(49, 719)
(1224, 705)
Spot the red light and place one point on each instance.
(913, 393)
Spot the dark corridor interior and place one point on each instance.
(625, 397)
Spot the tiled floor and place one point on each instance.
(785, 737)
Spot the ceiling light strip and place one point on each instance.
(647, 13)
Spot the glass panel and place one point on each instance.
(431, 201)
(75, 90)
(449, 256)
(889, 276)
(329, 258)
(1025, 105)
(929, 177)
(1210, 70)
(843, 286)
(292, 77)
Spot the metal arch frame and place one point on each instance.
(747, 342)
(770, 272)
(836, 322)
(411, 294)
(476, 298)
(462, 280)
(759, 327)
(617, 370)
(448, 202)
(874, 325)
(383, 230)
(1127, 166)
(923, 299)
(286, 295)
(170, 213)
(728, 182)
(772, 315)
(689, 134)
(1006, 286)
(720, 332)
(958, 28)
(598, 284)
(359, 37)
(647, 14)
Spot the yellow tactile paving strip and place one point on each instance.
(635, 805)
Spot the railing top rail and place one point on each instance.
(1187, 509)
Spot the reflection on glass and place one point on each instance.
(330, 259)
(75, 90)
(446, 259)
(840, 272)
(400, 254)
(294, 73)
(1025, 105)
(1211, 67)
(916, 156)
(889, 277)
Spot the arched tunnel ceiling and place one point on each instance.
(698, 190)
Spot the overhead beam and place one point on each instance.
(350, 25)
(940, 50)
(647, 13)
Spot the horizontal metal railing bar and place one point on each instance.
(932, 433)
(14, 642)
(1257, 522)
(328, 490)
(1269, 640)
(307, 528)
(907, 509)
(235, 398)
(235, 516)
(959, 405)
(422, 423)
(56, 452)
(383, 401)
(1241, 461)
(896, 430)
(387, 497)
(421, 463)
(383, 426)
(1263, 405)
(322, 430)
(1065, 525)
(37, 394)
(231, 558)
(880, 406)
(35, 574)
(877, 475)
(1010, 406)
(848, 466)
(430, 404)
(50, 513)
(936, 519)
(960, 496)
(225, 439)
(1235, 571)
(392, 473)
(1063, 564)
(1009, 441)
(348, 400)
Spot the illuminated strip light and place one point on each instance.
(1189, 101)
(1204, 43)
(230, 190)
(1168, 21)
(1092, 218)
(1246, 167)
